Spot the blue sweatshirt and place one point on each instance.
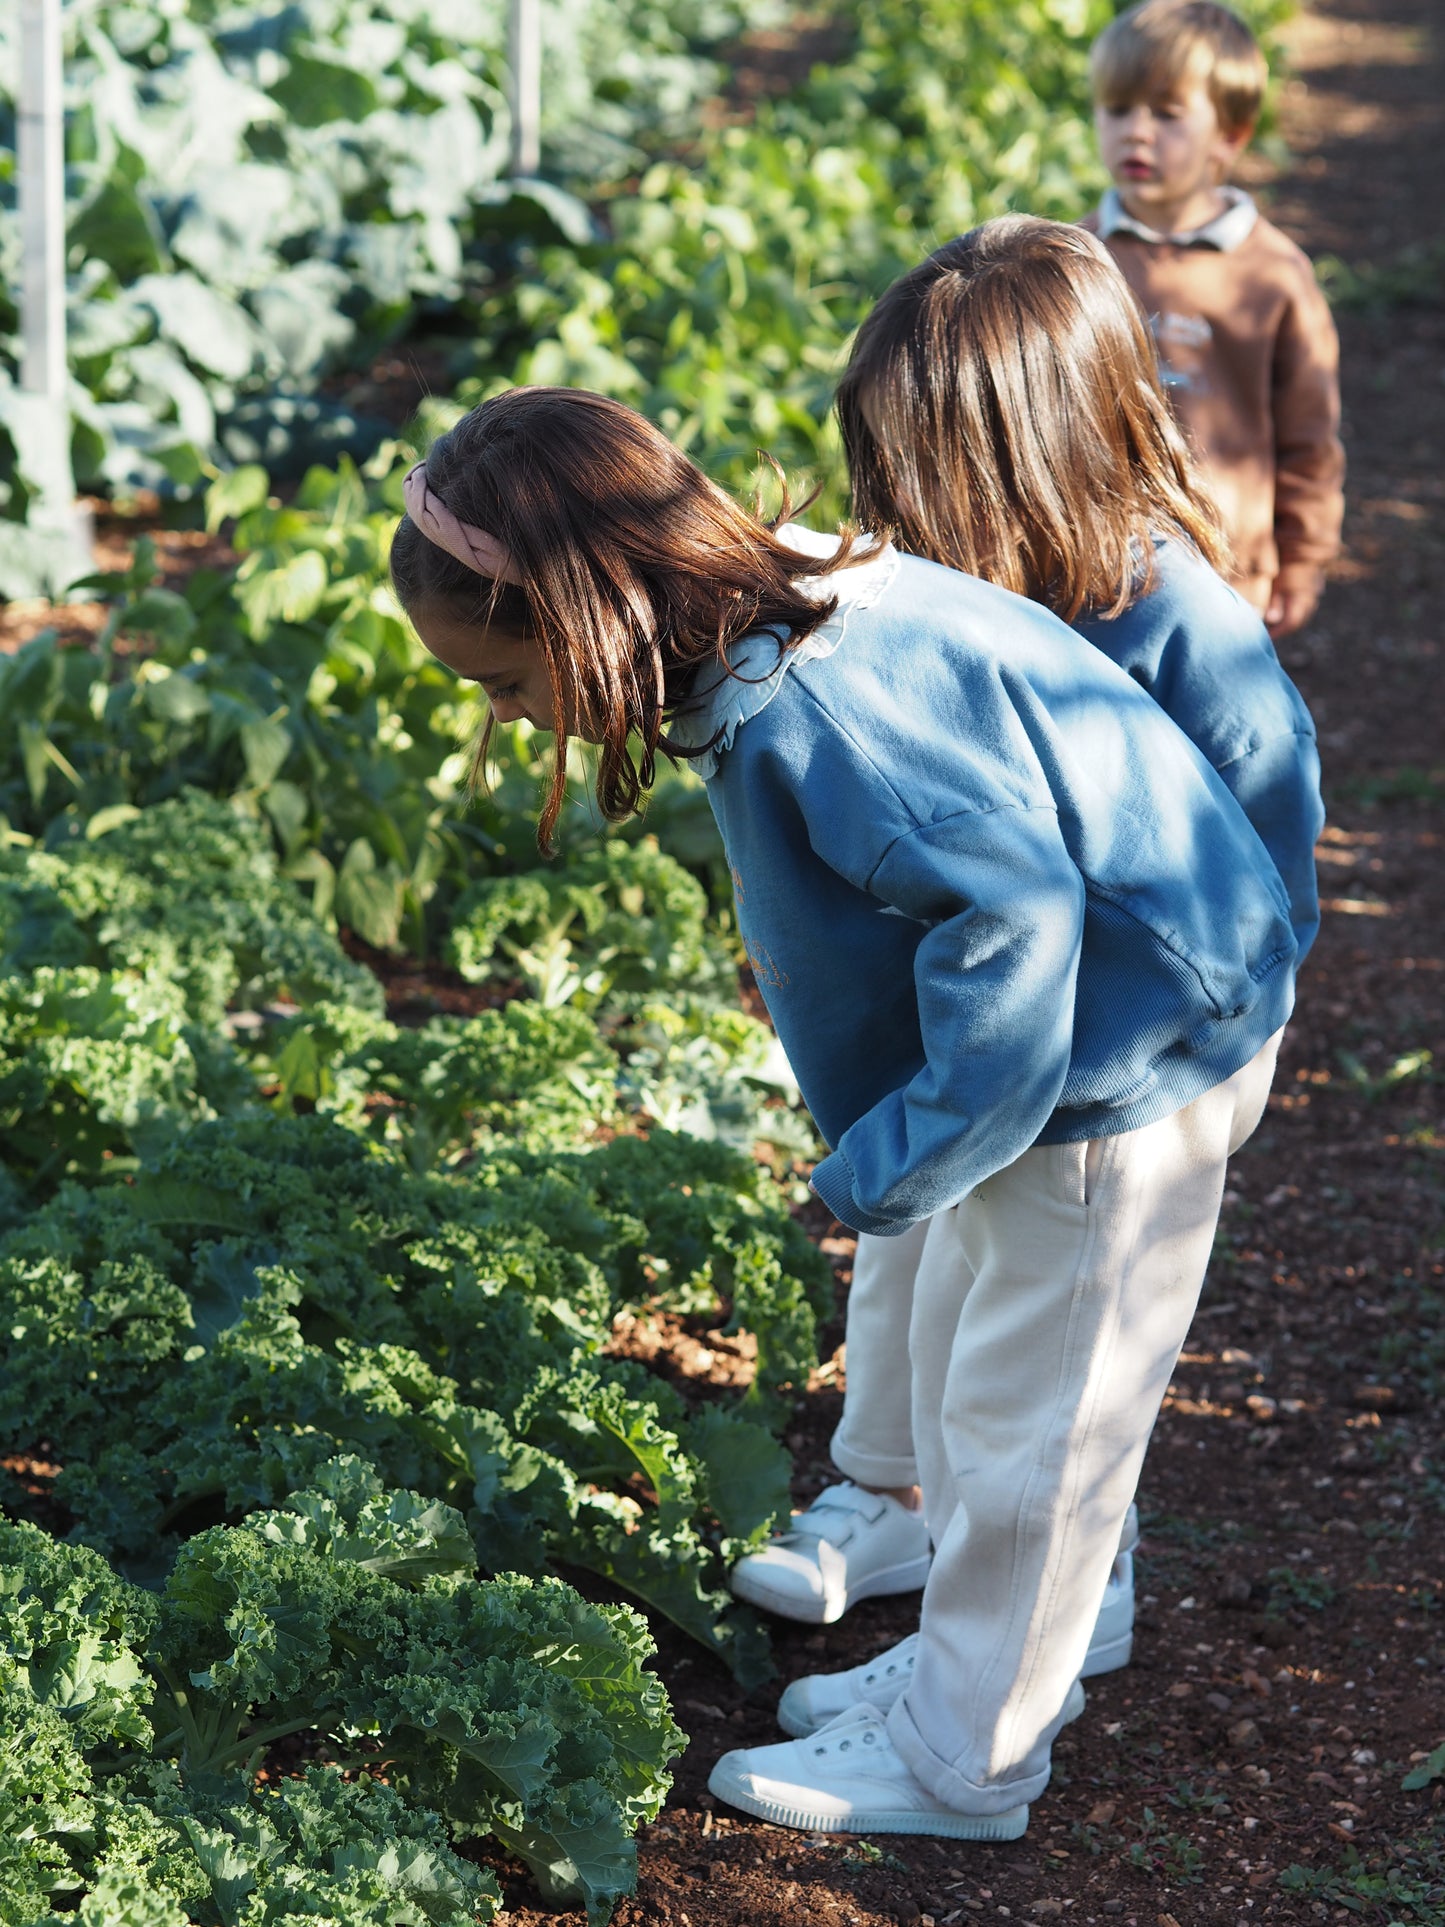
(1206, 658)
(992, 895)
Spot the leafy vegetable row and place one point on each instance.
(293, 687)
(259, 194)
(132, 1723)
(269, 1292)
(258, 1232)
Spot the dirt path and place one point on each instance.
(1290, 1663)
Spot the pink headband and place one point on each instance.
(471, 546)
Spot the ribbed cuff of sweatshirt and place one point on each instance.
(833, 1182)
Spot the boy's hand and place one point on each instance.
(1294, 598)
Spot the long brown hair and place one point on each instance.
(635, 567)
(1002, 415)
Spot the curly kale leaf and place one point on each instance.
(521, 1075)
(398, 1535)
(706, 1225)
(615, 918)
(145, 1848)
(93, 1065)
(509, 1706)
(46, 1817)
(272, 1292)
(186, 892)
(70, 1630)
(350, 1613)
(712, 1071)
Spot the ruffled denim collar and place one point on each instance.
(715, 712)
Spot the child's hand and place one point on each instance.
(1294, 598)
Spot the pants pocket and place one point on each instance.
(1079, 1166)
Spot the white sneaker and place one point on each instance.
(849, 1778)
(1112, 1641)
(848, 1545)
(813, 1702)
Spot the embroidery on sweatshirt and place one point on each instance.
(1182, 342)
(764, 969)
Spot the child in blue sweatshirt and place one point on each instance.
(952, 443)
(1027, 956)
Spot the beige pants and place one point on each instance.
(1048, 1311)
(874, 1440)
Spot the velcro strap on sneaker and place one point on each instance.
(831, 1515)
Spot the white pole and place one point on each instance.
(524, 53)
(58, 535)
(42, 200)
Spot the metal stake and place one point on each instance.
(58, 536)
(524, 55)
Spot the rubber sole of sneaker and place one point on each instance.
(948, 1826)
(907, 1577)
(1108, 1657)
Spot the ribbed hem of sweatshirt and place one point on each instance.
(1188, 1072)
(1179, 1078)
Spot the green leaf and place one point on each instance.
(746, 1471)
(35, 757)
(177, 698)
(236, 493)
(287, 806)
(210, 329)
(370, 897)
(266, 745)
(225, 1287)
(346, 1515)
(109, 819)
(1429, 1770)
(300, 1071)
(539, 210)
(161, 1200)
(160, 613)
(316, 91)
(120, 228)
(121, 1898)
(312, 867)
(292, 592)
(303, 314)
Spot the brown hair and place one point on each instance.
(1155, 46)
(635, 570)
(1002, 415)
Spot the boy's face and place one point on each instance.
(1168, 154)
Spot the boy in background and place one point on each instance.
(1247, 347)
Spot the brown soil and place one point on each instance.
(1289, 1663)
(179, 553)
(416, 991)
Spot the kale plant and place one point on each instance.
(350, 1615)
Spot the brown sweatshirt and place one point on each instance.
(1250, 358)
